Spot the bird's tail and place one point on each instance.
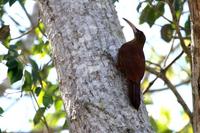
(134, 94)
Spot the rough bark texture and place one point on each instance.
(195, 26)
(82, 33)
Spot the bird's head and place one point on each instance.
(139, 35)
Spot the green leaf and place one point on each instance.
(58, 104)
(38, 90)
(1, 111)
(12, 53)
(52, 89)
(38, 48)
(13, 47)
(153, 123)
(178, 7)
(4, 32)
(15, 70)
(139, 6)
(167, 32)
(1, 58)
(113, 1)
(11, 2)
(147, 99)
(5, 1)
(47, 100)
(65, 125)
(187, 26)
(35, 70)
(34, 64)
(28, 82)
(170, 73)
(187, 129)
(22, 1)
(161, 125)
(38, 116)
(1, 11)
(151, 13)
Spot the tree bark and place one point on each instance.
(195, 27)
(85, 37)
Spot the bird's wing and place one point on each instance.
(132, 65)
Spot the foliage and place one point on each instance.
(162, 124)
(176, 35)
(31, 74)
(114, 1)
(25, 69)
(150, 13)
(1, 111)
(174, 31)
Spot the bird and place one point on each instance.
(131, 62)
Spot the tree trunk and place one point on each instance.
(85, 36)
(195, 26)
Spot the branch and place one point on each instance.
(170, 51)
(166, 88)
(162, 71)
(177, 28)
(185, 38)
(152, 63)
(23, 34)
(166, 68)
(38, 25)
(44, 119)
(150, 84)
(167, 19)
(173, 89)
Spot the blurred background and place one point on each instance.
(29, 95)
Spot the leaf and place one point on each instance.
(35, 70)
(151, 13)
(170, 73)
(38, 90)
(139, 6)
(153, 123)
(52, 89)
(161, 125)
(4, 32)
(178, 7)
(1, 111)
(47, 100)
(187, 129)
(38, 116)
(147, 99)
(5, 1)
(1, 58)
(15, 70)
(65, 125)
(12, 53)
(113, 1)
(58, 104)
(1, 9)
(187, 26)
(167, 32)
(28, 82)
(34, 64)
(11, 2)
(22, 1)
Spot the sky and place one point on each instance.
(17, 116)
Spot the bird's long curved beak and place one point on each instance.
(131, 25)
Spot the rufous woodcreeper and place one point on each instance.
(131, 62)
